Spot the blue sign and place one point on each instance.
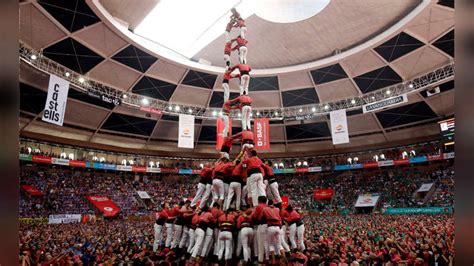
(278, 171)
(427, 210)
(185, 171)
(104, 166)
(418, 159)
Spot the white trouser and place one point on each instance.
(226, 192)
(207, 242)
(246, 235)
(169, 234)
(273, 192)
(217, 189)
(226, 88)
(261, 241)
(216, 241)
(184, 237)
(243, 54)
(244, 84)
(192, 239)
(243, 30)
(244, 195)
(199, 193)
(297, 237)
(225, 243)
(246, 111)
(284, 243)
(206, 196)
(178, 230)
(255, 242)
(158, 236)
(225, 120)
(200, 234)
(234, 189)
(227, 60)
(227, 36)
(274, 239)
(256, 187)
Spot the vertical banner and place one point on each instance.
(219, 135)
(56, 101)
(261, 132)
(186, 131)
(339, 129)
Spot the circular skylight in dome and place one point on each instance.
(288, 11)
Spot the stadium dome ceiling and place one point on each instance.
(382, 43)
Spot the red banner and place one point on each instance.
(284, 201)
(141, 169)
(220, 128)
(302, 170)
(196, 172)
(41, 159)
(169, 170)
(32, 190)
(261, 132)
(371, 165)
(151, 110)
(76, 163)
(400, 162)
(323, 193)
(435, 157)
(105, 205)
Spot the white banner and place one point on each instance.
(59, 161)
(186, 131)
(127, 168)
(385, 163)
(385, 103)
(367, 200)
(64, 218)
(425, 187)
(315, 169)
(449, 155)
(143, 195)
(153, 170)
(56, 102)
(339, 129)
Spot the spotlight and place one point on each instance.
(276, 113)
(388, 92)
(239, 115)
(145, 101)
(190, 110)
(353, 101)
(201, 165)
(373, 97)
(313, 109)
(298, 164)
(214, 113)
(176, 108)
(281, 165)
(170, 108)
(33, 57)
(81, 80)
(67, 74)
(300, 110)
(258, 113)
(220, 113)
(326, 107)
(125, 96)
(305, 163)
(410, 86)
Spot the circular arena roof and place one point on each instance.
(346, 51)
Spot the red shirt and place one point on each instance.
(228, 75)
(228, 106)
(284, 214)
(257, 213)
(216, 212)
(252, 162)
(226, 221)
(228, 48)
(225, 169)
(237, 171)
(195, 220)
(229, 25)
(174, 212)
(240, 42)
(271, 215)
(227, 142)
(243, 67)
(206, 175)
(293, 217)
(268, 170)
(244, 100)
(247, 135)
(244, 221)
(206, 217)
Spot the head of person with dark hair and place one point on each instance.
(181, 203)
(278, 205)
(187, 203)
(262, 199)
(165, 205)
(289, 208)
(270, 202)
(237, 162)
(216, 205)
(204, 209)
(253, 153)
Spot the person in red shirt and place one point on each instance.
(246, 234)
(284, 217)
(242, 47)
(261, 229)
(227, 51)
(204, 187)
(160, 218)
(192, 231)
(222, 168)
(235, 187)
(188, 213)
(244, 71)
(245, 103)
(226, 224)
(213, 231)
(232, 23)
(246, 140)
(296, 229)
(253, 166)
(178, 224)
(225, 83)
(239, 21)
(205, 219)
(272, 216)
(169, 223)
(271, 183)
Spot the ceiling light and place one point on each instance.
(239, 115)
(301, 110)
(313, 109)
(176, 108)
(258, 113)
(33, 57)
(353, 101)
(220, 113)
(190, 110)
(373, 98)
(170, 108)
(81, 80)
(276, 113)
(214, 113)
(125, 96)
(67, 74)
(410, 86)
(388, 92)
(326, 107)
(145, 101)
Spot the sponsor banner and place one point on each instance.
(25, 157)
(127, 168)
(105, 205)
(56, 101)
(143, 195)
(284, 201)
(385, 163)
(449, 155)
(371, 165)
(59, 161)
(104, 166)
(151, 110)
(315, 169)
(288, 171)
(435, 157)
(326, 168)
(169, 170)
(418, 159)
(185, 171)
(33, 221)
(367, 200)
(220, 128)
(302, 170)
(427, 210)
(76, 163)
(401, 162)
(348, 167)
(33, 191)
(385, 103)
(64, 218)
(339, 131)
(186, 131)
(261, 131)
(299, 117)
(105, 98)
(196, 172)
(277, 171)
(41, 159)
(325, 193)
(425, 187)
(153, 170)
(139, 169)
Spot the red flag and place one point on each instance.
(219, 135)
(105, 205)
(261, 132)
(323, 193)
(285, 201)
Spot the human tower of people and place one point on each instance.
(237, 209)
